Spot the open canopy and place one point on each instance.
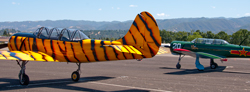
(60, 34)
(209, 41)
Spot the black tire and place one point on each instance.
(75, 76)
(213, 65)
(25, 80)
(200, 70)
(178, 66)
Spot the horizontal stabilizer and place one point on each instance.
(3, 46)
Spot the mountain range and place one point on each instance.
(229, 25)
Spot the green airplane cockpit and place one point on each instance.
(209, 41)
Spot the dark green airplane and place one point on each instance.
(209, 49)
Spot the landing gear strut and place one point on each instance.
(213, 65)
(23, 78)
(75, 76)
(178, 65)
(198, 65)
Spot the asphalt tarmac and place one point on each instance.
(157, 74)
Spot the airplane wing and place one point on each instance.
(201, 54)
(122, 52)
(26, 55)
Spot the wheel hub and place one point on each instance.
(213, 66)
(74, 76)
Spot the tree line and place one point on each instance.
(235, 38)
(167, 36)
(8, 32)
(105, 34)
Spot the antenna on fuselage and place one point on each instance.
(243, 40)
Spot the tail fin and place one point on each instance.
(144, 35)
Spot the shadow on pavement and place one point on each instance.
(13, 84)
(196, 71)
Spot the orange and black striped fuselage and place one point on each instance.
(87, 50)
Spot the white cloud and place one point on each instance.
(14, 3)
(213, 7)
(117, 8)
(132, 5)
(162, 15)
(112, 7)
(247, 14)
(238, 15)
(100, 9)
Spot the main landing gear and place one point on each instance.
(23, 78)
(75, 76)
(213, 65)
(178, 65)
(199, 66)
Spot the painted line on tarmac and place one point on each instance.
(47, 83)
(158, 90)
(237, 71)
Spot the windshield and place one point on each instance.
(193, 41)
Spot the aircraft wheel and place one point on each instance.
(178, 66)
(24, 80)
(75, 76)
(213, 66)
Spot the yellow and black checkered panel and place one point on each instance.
(163, 50)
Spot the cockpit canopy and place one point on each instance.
(209, 41)
(60, 34)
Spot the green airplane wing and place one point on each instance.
(201, 54)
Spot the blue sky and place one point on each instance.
(119, 10)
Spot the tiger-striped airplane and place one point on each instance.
(64, 45)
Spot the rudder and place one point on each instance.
(144, 35)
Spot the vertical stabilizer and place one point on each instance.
(144, 34)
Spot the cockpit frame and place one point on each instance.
(59, 34)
